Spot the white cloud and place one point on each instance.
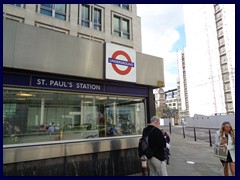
(159, 34)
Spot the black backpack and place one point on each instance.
(143, 146)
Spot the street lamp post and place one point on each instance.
(170, 126)
(170, 119)
(183, 128)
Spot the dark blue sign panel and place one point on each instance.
(46, 82)
(16, 79)
(59, 83)
(126, 90)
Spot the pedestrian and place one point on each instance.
(157, 143)
(167, 149)
(225, 136)
(51, 128)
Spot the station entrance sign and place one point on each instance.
(120, 63)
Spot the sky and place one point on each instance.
(163, 35)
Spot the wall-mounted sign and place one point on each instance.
(120, 63)
(160, 83)
(65, 84)
(46, 82)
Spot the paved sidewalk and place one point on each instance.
(199, 152)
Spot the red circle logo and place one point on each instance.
(119, 71)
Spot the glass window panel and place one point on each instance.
(61, 8)
(60, 16)
(125, 6)
(97, 19)
(47, 5)
(18, 5)
(46, 12)
(116, 23)
(97, 27)
(125, 36)
(85, 12)
(117, 34)
(85, 16)
(31, 116)
(89, 13)
(125, 25)
(86, 24)
(97, 16)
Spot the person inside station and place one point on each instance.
(113, 131)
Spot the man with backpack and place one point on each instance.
(157, 143)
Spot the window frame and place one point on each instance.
(18, 5)
(91, 17)
(83, 19)
(54, 11)
(123, 6)
(120, 30)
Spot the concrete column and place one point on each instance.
(114, 112)
(42, 111)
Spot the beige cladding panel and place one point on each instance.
(49, 51)
(150, 69)
(8, 42)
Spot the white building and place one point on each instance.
(209, 58)
(159, 98)
(171, 97)
(183, 105)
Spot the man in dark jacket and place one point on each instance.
(157, 143)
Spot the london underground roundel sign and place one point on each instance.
(120, 63)
(119, 71)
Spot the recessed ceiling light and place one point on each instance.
(88, 102)
(25, 94)
(101, 98)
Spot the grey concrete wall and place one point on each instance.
(209, 121)
(113, 163)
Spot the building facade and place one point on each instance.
(95, 22)
(77, 89)
(172, 105)
(210, 58)
(183, 106)
(171, 97)
(160, 101)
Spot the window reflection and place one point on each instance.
(61, 8)
(17, 5)
(85, 15)
(124, 6)
(37, 116)
(47, 5)
(121, 27)
(97, 19)
(91, 15)
(54, 10)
